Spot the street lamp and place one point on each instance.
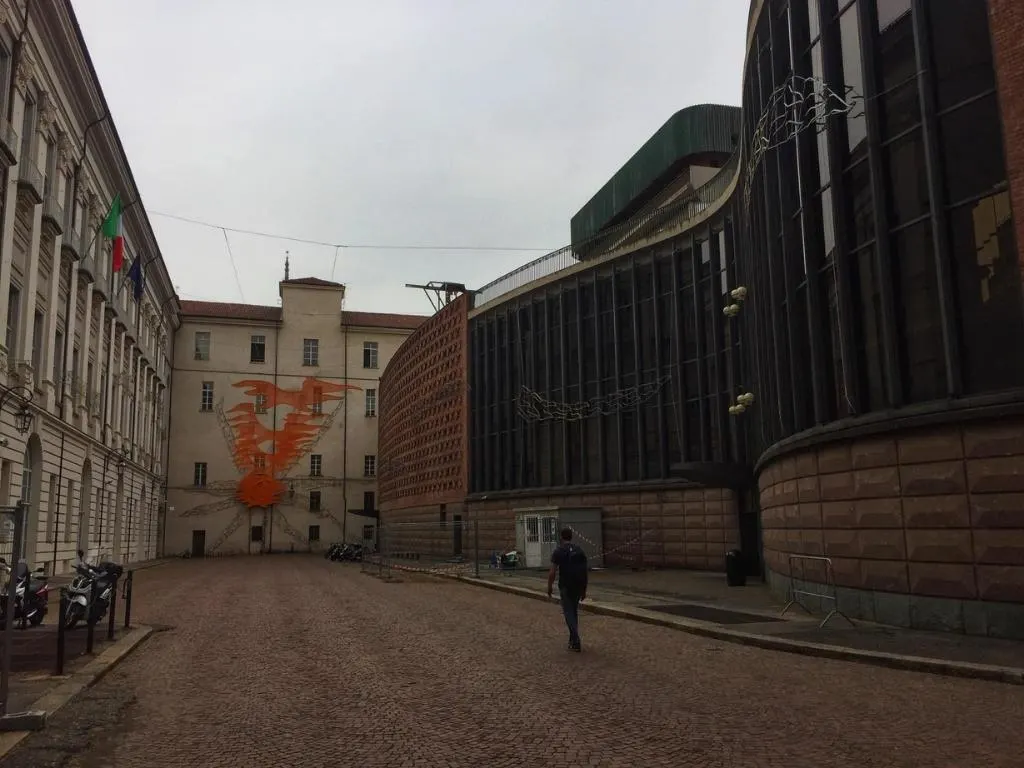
(23, 417)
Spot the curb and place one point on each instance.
(944, 667)
(79, 681)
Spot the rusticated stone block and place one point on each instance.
(932, 479)
(835, 458)
(926, 447)
(807, 489)
(884, 544)
(943, 580)
(999, 547)
(875, 452)
(994, 439)
(939, 546)
(878, 513)
(836, 486)
(936, 511)
(876, 483)
(846, 571)
(811, 542)
(838, 514)
(841, 542)
(787, 468)
(809, 515)
(1001, 582)
(997, 510)
(884, 575)
(791, 516)
(693, 494)
(996, 475)
(807, 464)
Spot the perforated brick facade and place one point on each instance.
(423, 413)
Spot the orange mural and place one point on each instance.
(264, 454)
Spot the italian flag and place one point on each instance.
(112, 229)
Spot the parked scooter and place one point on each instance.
(333, 551)
(84, 602)
(32, 593)
(345, 552)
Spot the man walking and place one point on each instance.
(570, 563)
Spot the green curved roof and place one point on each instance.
(697, 130)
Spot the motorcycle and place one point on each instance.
(31, 596)
(333, 551)
(83, 601)
(343, 552)
(507, 561)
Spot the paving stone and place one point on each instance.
(289, 660)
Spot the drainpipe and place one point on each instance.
(344, 444)
(273, 444)
(167, 441)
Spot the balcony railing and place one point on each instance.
(30, 180)
(675, 216)
(53, 213)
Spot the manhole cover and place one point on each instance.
(713, 615)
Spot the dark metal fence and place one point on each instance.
(644, 226)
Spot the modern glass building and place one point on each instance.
(795, 328)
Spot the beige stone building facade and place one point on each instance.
(274, 422)
(84, 366)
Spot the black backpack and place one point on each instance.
(574, 567)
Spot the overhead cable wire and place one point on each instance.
(324, 243)
(234, 267)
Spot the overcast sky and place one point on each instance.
(391, 122)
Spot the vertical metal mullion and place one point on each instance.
(734, 351)
(717, 331)
(698, 315)
(579, 365)
(641, 451)
(658, 368)
(620, 464)
(522, 425)
(831, 51)
(486, 448)
(678, 374)
(549, 425)
(940, 239)
(883, 253)
(563, 362)
(510, 408)
(599, 381)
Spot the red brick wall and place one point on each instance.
(422, 434)
(1007, 24)
(937, 513)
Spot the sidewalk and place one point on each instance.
(701, 603)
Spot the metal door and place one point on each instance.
(198, 543)
(533, 554)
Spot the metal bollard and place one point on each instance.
(89, 621)
(127, 596)
(113, 610)
(62, 619)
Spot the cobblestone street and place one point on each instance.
(293, 660)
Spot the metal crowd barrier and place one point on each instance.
(793, 594)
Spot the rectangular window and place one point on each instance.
(202, 351)
(314, 501)
(318, 400)
(58, 357)
(371, 402)
(199, 474)
(315, 464)
(311, 352)
(369, 501)
(368, 533)
(256, 533)
(51, 528)
(28, 130)
(13, 307)
(369, 354)
(260, 462)
(50, 182)
(206, 404)
(261, 403)
(444, 516)
(314, 533)
(37, 346)
(369, 465)
(258, 349)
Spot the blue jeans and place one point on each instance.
(571, 610)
